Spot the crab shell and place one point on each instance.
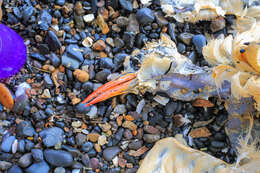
(205, 10)
(237, 61)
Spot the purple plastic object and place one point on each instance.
(12, 52)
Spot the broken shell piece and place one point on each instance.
(192, 11)
(200, 10)
(251, 54)
(172, 155)
(218, 51)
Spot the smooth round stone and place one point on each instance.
(25, 160)
(199, 42)
(217, 144)
(15, 169)
(41, 167)
(51, 136)
(25, 129)
(60, 2)
(7, 144)
(5, 165)
(145, 16)
(59, 170)
(12, 56)
(110, 152)
(126, 4)
(37, 155)
(87, 146)
(58, 157)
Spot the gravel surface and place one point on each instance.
(73, 48)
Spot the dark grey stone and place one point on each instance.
(110, 152)
(199, 42)
(73, 52)
(4, 165)
(69, 62)
(55, 60)
(60, 2)
(25, 160)
(53, 41)
(15, 169)
(145, 16)
(37, 155)
(47, 80)
(7, 144)
(58, 157)
(87, 146)
(25, 129)
(38, 56)
(52, 136)
(41, 167)
(101, 76)
(106, 63)
(126, 4)
(80, 139)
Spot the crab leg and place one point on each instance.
(110, 89)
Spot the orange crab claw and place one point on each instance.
(111, 89)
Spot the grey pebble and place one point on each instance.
(87, 146)
(102, 75)
(41, 167)
(4, 165)
(199, 42)
(15, 169)
(58, 157)
(217, 144)
(69, 62)
(52, 136)
(73, 52)
(7, 144)
(150, 138)
(37, 155)
(25, 129)
(145, 16)
(25, 160)
(59, 170)
(53, 41)
(126, 4)
(110, 152)
(80, 139)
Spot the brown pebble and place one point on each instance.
(97, 147)
(99, 45)
(122, 162)
(81, 75)
(105, 127)
(200, 132)
(75, 101)
(140, 133)
(102, 24)
(151, 130)
(78, 8)
(130, 125)
(127, 134)
(93, 137)
(104, 12)
(151, 138)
